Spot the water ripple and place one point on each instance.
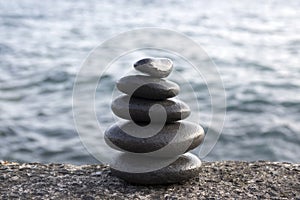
(256, 47)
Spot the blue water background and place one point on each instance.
(255, 44)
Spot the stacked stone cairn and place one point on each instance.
(168, 148)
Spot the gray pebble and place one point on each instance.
(179, 136)
(148, 87)
(137, 109)
(156, 67)
(185, 167)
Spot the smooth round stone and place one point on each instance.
(138, 109)
(179, 136)
(148, 87)
(187, 166)
(157, 67)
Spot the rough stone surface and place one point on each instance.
(156, 67)
(185, 167)
(189, 136)
(216, 180)
(139, 108)
(148, 87)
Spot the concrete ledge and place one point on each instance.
(226, 179)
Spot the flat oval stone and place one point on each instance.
(187, 166)
(138, 109)
(156, 67)
(148, 87)
(172, 140)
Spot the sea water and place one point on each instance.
(255, 44)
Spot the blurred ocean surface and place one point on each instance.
(255, 44)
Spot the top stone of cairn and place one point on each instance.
(156, 67)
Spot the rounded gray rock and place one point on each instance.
(156, 67)
(185, 167)
(137, 109)
(148, 87)
(179, 136)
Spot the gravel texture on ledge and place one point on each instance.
(217, 180)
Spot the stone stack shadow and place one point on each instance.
(155, 142)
